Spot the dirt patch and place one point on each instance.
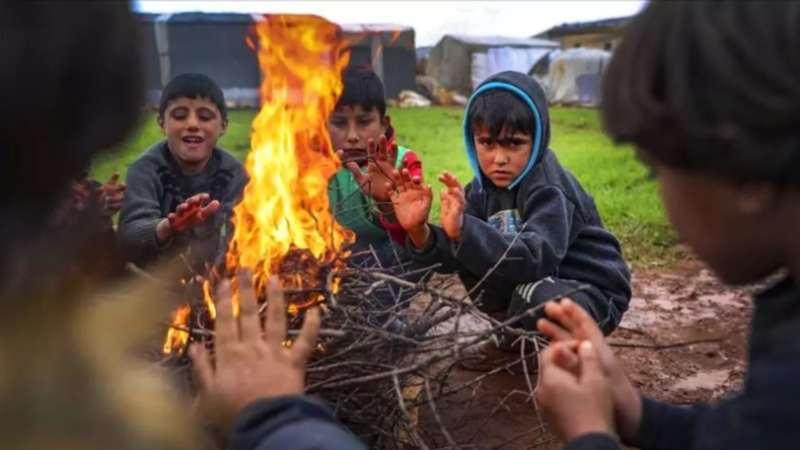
(683, 340)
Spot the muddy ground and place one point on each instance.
(669, 311)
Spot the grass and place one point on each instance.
(627, 200)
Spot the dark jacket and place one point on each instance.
(542, 225)
(763, 416)
(157, 185)
(291, 423)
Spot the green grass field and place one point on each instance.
(627, 200)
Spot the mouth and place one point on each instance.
(358, 155)
(502, 174)
(193, 141)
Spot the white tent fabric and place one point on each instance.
(499, 59)
(574, 77)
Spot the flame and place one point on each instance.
(176, 337)
(285, 203)
(379, 48)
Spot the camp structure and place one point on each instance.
(572, 77)
(461, 63)
(215, 45)
(598, 34)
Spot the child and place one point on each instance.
(363, 136)
(524, 219)
(176, 187)
(715, 118)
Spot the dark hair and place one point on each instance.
(710, 87)
(497, 109)
(71, 85)
(193, 85)
(363, 87)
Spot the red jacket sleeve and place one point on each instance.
(414, 165)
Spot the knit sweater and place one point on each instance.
(157, 185)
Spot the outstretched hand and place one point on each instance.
(112, 195)
(412, 204)
(453, 201)
(251, 362)
(568, 322)
(382, 158)
(191, 213)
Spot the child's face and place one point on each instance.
(351, 126)
(192, 128)
(502, 159)
(728, 225)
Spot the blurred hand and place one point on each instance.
(191, 213)
(376, 182)
(112, 194)
(575, 404)
(251, 362)
(569, 322)
(453, 201)
(412, 205)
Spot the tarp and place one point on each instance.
(460, 63)
(573, 77)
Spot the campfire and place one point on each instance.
(392, 389)
(283, 224)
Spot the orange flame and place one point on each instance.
(285, 203)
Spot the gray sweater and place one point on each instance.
(157, 185)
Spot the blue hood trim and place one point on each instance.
(537, 135)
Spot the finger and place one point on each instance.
(306, 342)
(182, 208)
(249, 323)
(565, 354)
(406, 178)
(389, 186)
(371, 148)
(113, 179)
(552, 331)
(591, 368)
(206, 212)
(275, 331)
(392, 153)
(226, 331)
(382, 151)
(202, 366)
(555, 311)
(340, 154)
(428, 191)
(398, 181)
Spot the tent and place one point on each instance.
(572, 77)
(461, 63)
(215, 44)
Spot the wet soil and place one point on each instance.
(683, 340)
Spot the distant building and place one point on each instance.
(599, 34)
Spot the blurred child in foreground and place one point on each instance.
(707, 93)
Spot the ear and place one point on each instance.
(223, 127)
(755, 198)
(386, 123)
(160, 121)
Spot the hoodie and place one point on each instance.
(544, 224)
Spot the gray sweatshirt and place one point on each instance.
(157, 185)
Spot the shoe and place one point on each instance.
(487, 356)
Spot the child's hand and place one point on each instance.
(112, 195)
(569, 322)
(575, 403)
(412, 205)
(376, 181)
(191, 213)
(251, 362)
(452, 215)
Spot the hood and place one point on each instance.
(531, 92)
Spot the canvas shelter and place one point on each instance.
(461, 63)
(572, 77)
(215, 44)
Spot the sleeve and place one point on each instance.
(397, 232)
(290, 423)
(547, 231)
(593, 441)
(667, 427)
(140, 214)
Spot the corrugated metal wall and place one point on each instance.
(214, 44)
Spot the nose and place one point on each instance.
(192, 123)
(352, 135)
(501, 157)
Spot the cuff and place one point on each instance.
(593, 441)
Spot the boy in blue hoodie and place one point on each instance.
(707, 94)
(523, 220)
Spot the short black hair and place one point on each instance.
(710, 87)
(362, 87)
(193, 85)
(497, 109)
(71, 86)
